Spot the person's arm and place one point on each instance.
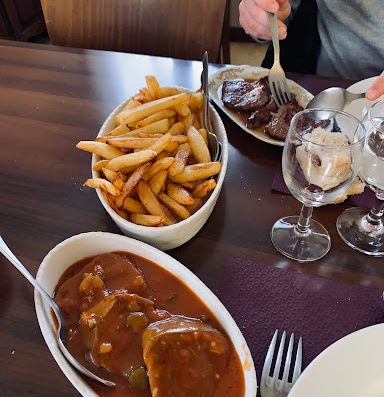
(254, 17)
(377, 89)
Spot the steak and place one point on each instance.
(262, 116)
(238, 94)
(278, 126)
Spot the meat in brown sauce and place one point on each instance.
(113, 300)
(200, 350)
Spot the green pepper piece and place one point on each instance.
(138, 321)
(138, 379)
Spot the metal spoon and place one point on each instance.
(333, 98)
(62, 327)
(213, 141)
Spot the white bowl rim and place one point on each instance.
(173, 266)
(211, 198)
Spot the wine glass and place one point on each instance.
(360, 228)
(321, 159)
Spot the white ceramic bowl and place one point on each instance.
(94, 243)
(168, 237)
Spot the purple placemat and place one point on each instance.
(365, 199)
(262, 298)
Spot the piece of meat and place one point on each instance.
(184, 357)
(109, 331)
(104, 272)
(238, 94)
(279, 125)
(262, 116)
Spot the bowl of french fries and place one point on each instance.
(152, 167)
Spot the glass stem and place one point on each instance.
(303, 228)
(373, 220)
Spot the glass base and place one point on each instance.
(353, 229)
(303, 248)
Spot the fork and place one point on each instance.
(272, 386)
(276, 77)
(213, 142)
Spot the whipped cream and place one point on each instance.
(322, 164)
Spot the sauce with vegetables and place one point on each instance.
(136, 324)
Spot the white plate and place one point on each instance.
(250, 73)
(359, 107)
(351, 367)
(94, 243)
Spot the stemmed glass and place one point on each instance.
(360, 228)
(321, 159)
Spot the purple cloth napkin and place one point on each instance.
(263, 298)
(365, 199)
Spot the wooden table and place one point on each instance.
(50, 98)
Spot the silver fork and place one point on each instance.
(272, 386)
(276, 77)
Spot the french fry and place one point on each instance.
(187, 121)
(119, 130)
(195, 121)
(131, 183)
(181, 158)
(163, 92)
(147, 109)
(195, 206)
(177, 128)
(119, 180)
(174, 206)
(145, 95)
(187, 185)
(132, 205)
(162, 155)
(99, 165)
(157, 182)
(158, 127)
(202, 189)
(199, 148)
(171, 147)
(132, 103)
(204, 134)
(197, 171)
(112, 203)
(150, 202)
(179, 194)
(196, 102)
(131, 159)
(152, 85)
(161, 143)
(169, 214)
(100, 183)
(157, 166)
(163, 114)
(110, 175)
(101, 149)
(182, 110)
(172, 120)
(147, 220)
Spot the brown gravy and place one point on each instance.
(170, 295)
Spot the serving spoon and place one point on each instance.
(213, 141)
(62, 326)
(333, 98)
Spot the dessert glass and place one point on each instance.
(360, 228)
(321, 158)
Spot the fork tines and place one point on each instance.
(273, 386)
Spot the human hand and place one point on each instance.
(254, 17)
(377, 89)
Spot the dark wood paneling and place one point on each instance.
(181, 29)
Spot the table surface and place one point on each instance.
(52, 97)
